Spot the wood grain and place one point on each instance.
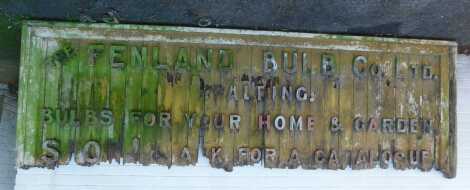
(156, 96)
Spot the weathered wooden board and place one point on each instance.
(159, 94)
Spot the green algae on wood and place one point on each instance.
(157, 94)
(149, 104)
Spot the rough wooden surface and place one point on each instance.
(329, 102)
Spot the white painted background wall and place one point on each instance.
(117, 177)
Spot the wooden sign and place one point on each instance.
(91, 93)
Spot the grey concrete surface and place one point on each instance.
(7, 139)
(441, 19)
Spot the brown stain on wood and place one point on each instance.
(139, 88)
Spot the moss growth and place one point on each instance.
(64, 54)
